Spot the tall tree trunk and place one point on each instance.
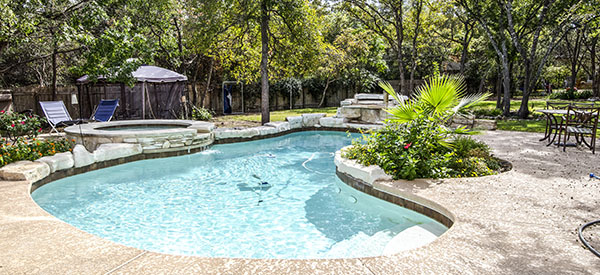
(465, 46)
(194, 81)
(179, 44)
(210, 73)
(524, 108)
(399, 39)
(264, 74)
(418, 7)
(499, 78)
(575, 59)
(54, 54)
(324, 92)
(595, 74)
(505, 80)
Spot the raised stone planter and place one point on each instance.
(368, 174)
(116, 150)
(25, 170)
(59, 161)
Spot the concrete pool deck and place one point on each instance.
(521, 221)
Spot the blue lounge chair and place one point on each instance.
(105, 110)
(57, 114)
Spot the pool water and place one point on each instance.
(272, 198)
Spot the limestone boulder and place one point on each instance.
(485, 124)
(266, 130)
(334, 122)
(202, 127)
(370, 116)
(116, 150)
(368, 96)
(347, 102)
(31, 171)
(311, 120)
(281, 126)
(81, 156)
(59, 161)
(235, 133)
(348, 112)
(294, 121)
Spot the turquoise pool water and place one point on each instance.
(272, 198)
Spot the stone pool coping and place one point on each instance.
(522, 221)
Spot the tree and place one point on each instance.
(489, 16)
(385, 18)
(288, 42)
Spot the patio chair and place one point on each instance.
(105, 110)
(57, 114)
(581, 122)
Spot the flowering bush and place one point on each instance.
(416, 142)
(22, 149)
(14, 125)
(416, 150)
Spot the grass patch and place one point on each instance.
(537, 126)
(276, 115)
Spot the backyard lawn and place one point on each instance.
(536, 124)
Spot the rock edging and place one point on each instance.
(375, 182)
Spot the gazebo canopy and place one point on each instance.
(147, 73)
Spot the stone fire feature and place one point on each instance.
(366, 109)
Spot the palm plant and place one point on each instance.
(440, 98)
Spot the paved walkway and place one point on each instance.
(522, 221)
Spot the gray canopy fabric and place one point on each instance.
(147, 73)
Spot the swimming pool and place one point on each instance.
(272, 198)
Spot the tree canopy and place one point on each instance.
(509, 48)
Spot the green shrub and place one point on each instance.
(487, 112)
(23, 149)
(14, 125)
(201, 113)
(413, 150)
(416, 143)
(571, 94)
(405, 151)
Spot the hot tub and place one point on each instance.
(158, 135)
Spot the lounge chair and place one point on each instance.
(105, 110)
(57, 114)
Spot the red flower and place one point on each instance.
(2, 112)
(12, 125)
(407, 145)
(39, 130)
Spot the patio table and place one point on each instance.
(552, 123)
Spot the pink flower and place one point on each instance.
(22, 122)
(407, 145)
(12, 125)
(2, 112)
(39, 130)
